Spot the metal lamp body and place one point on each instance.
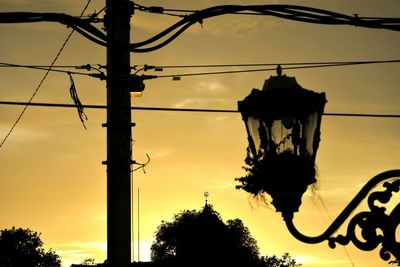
(283, 125)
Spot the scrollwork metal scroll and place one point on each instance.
(368, 229)
(375, 225)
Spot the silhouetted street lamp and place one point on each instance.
(283, 125)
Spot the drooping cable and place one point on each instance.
(41, 81)
(79, 107)
(290, 12)
(82, 26)
(142, 165)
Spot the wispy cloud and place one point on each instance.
(36, 5)
(76, 252)
(200, 102)
(187, 102)
(25, 134)
(212, 87)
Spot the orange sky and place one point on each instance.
(51, 177)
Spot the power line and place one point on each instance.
(276, 64)
(11, 65)
(307, 66)
(42, 80)
(60, 105)
(81, 25)
(288, 12)
(291, 65)
(52, 68)
(152, 67)
(158, 9)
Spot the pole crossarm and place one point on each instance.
(288, 12)
(376, 226)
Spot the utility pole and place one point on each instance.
(119, 133)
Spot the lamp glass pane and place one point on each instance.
(309, 128)
(253, 126)
(281, 135)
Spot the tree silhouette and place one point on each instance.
(201, 238)
(89, 262)
(23, 247)
(274, 261)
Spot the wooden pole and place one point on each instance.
(119, 133)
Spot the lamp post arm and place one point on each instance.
(368, 221)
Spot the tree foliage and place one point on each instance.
(285, 261)
(89, 262)
(201, 238)
(23, 247)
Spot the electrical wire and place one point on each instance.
(307, 66)
(59, 105)
(11, 65)
(275, 64)
(42, 81)
(147, 67)
(51, 68)
(151, 9)
(289, 12)
(80, 25)
(95, 15)
(161, 10)
(138, 68)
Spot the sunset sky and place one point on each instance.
(51, 177)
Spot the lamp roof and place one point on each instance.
(281, 96)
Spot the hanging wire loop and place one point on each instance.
(141, 165)
(79, 107)
(367, 229)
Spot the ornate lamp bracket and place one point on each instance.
(367, 229)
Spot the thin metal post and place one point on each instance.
(138, 225)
